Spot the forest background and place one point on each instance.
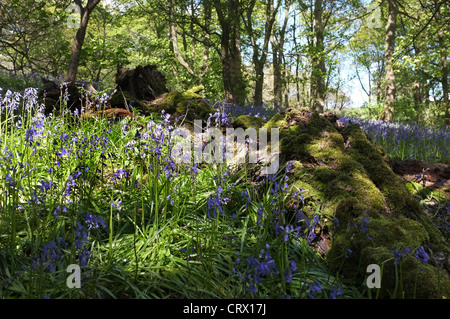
(383, 59)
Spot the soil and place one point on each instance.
(431, 175)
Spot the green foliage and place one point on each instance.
(17, 83)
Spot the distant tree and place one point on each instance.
(278, 40)
(443, 44)
(31, 36)
(389, 98)
(229, 16)
(85, 12)
(260, 52)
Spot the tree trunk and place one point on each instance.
(389, 98)
(176, 49)
(277, 53)
(230, 40)
(206, 46)
(417, 95)
(277, 94)
(318, 60)
(417, 85)
(259, 83)
(259, 56)
(77, 45)
(297, 61)
(426, 115)
(444, 65)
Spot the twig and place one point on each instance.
(124, 99)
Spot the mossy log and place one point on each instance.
(247, 121)
(339, 169)
(143, 83)
(186, 106)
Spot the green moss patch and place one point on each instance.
(343, 172)
(188, 105)
(247, 121)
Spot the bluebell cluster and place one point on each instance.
(406, 141)
(419, 253)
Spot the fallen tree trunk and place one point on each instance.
(144, 88)
(143, 83)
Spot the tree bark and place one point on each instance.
(277, 94)
(389, 98)
(206, 46)
(444, 65)
(230, 52)
(277, 56)
(176, 49)
(318, 59)
(77, 45)
(417, 85)
(417, 95)
(259, 56)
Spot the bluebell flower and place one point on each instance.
(288, 275)
(117, 205)
(364, 223)
(29, 135)
(244, 193)
(398, 254)
(336, 222)
(335, 292)
(64, 137)
(422, 255)
(252, 288)
(293, 265)
(51, 254)
(9, 179)
(94, 222)
(315, 289)
(55, 212)
(260, 215)
(347, 253)
(45, 186)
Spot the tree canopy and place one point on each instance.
(285, 52)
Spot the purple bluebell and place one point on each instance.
(422, 255)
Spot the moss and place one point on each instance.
(277, 121)
(400, 201)
(191, 104)
(348, 176)
(392, 186)
(409, 279)
(247, 121)
(117, 100)
(385, 233)
(393, 232)
(187, 103)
